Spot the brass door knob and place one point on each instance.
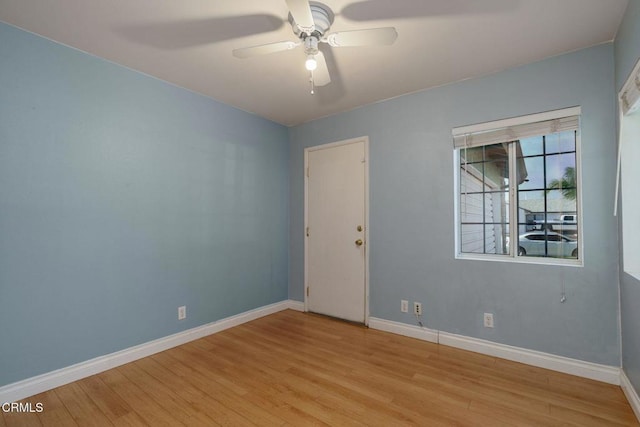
(359, 242)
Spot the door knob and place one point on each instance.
(359, 242)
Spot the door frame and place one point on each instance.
(365, 140)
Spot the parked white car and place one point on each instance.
(557, 245)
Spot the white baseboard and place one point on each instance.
(403, 329)
(630, 392)
(594, 371)
(580, 368)
(295, 305)
(41, 383)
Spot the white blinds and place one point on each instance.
(467, 137)
(630, 93)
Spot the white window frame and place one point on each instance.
(628, 157)
(497, 126)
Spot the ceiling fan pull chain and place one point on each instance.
(313, 89)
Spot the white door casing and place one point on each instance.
(336, 205)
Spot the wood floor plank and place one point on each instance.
(138, 399)
(511, 416)
(206, 383)
(591, 417)
(166, 397)
(81, 407)
(295, 369)
(54, 412)
(108, 401)
(26, 419)
(239, 382)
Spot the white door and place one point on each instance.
(336, 230)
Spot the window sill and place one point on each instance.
(634, 274)
(524, 260)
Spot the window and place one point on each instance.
(517, 181)
(629, 156)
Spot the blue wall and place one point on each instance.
(412, 210)
(627, 53)
(121, 198)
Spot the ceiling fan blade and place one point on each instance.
(370, 37)
(301, 12)
(334, 92)
(187, 33)
(264, 49)
(321, 75)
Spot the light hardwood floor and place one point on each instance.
(298, 369)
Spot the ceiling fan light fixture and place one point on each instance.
(311, 63)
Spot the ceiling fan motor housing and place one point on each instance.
(311, 45)
(322, 19)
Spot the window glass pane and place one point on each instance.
(496, 239)
(471, 155)
(471, 179)
(531, 211)
(496, 173)
(496, 167)
(561, 212)
(531, 146)
(484, 239)
(496, 152)
(532, 244)
(561, 203)
(547, 198)
(547, 244)
(560, 142)
(472, 238)
(471, 208)
(484, 201)
(561, 172)
(496, 207)
(531, 172)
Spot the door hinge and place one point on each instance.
(307, 231)
(307, 291)
(307, 172)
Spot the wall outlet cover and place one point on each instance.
(488, 320)
(417, 308)
(404, 306)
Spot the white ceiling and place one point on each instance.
(189, 43)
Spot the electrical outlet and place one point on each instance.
(488, 320)
(404, 306)
(417, 308)
(182, 312)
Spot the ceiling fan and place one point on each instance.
(310, 21)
